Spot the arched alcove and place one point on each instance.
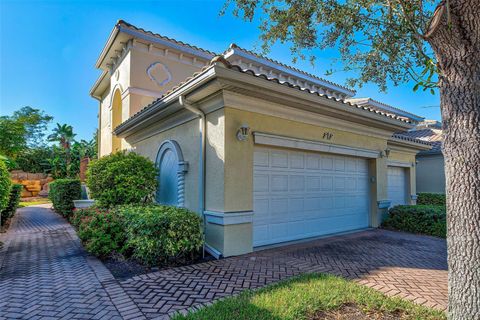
(171, 170)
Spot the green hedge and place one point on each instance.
(122, 178)
(100, 230)
(62, 192)
(431, 199)
(13, 201)
(422, 219)
(154, 234)
(159, 234)
(5, 185)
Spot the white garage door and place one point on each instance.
(300, 195)
(397, 186)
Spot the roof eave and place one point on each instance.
(241, 53)
(94, 90)
(410, 144)
(107, 46)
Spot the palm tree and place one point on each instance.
(65, 136)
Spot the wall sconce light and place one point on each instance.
(243, 132)
(385, 153)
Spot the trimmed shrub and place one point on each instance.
(13, 201)
(432, 199)
(159, 234)
(62, 193)
(121, 178)
(100, 230)
(428, 220)
(5, 185)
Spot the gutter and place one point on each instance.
(202, 163)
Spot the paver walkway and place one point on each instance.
(46, 272)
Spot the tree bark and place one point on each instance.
(456, 43)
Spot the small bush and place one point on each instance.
(428, 220)
(13, 201)
(5, 185)
(62, 193)
(121, 178)
(431, 199)
(162, 234)
(100, 230)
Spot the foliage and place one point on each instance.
(35, 122)
(381, 41)
(153, 234)
(13, 201)
(428, 220)
(12, 137)
(160, 234)
(62, 193)
(10, 163)
(35, 159)
(433, 199)
(308, 295)
(5, 185)
(25, 128)
(63, 134)
(100, 230)
(121, 178)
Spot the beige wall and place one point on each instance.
(188, 137)
(137, 90)
(431, 174)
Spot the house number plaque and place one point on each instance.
(327, 135)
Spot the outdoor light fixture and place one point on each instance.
(242, 133)
(385, 153)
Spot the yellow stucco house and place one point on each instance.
(267, 153)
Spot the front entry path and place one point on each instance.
(46, 273)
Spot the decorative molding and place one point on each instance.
(154, 66)
(253, 104)
(182, 168)
(228, 218)
(288, 142)
(397, 163)
(384, 204)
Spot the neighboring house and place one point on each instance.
(430, 163)
(265, 152)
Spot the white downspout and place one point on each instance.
(184, 103)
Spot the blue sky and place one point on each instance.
(48, 50)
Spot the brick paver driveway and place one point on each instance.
(46, 272)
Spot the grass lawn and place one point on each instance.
(313, 296)
(34, 202)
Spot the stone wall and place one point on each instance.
(34, 184)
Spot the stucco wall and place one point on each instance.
(188, 137)
(431, 174)
(141, 60)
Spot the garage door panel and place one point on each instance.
(397, 185)
(313, 194)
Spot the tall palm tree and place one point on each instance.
(65, 136)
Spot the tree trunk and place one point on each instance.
(457, 48)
